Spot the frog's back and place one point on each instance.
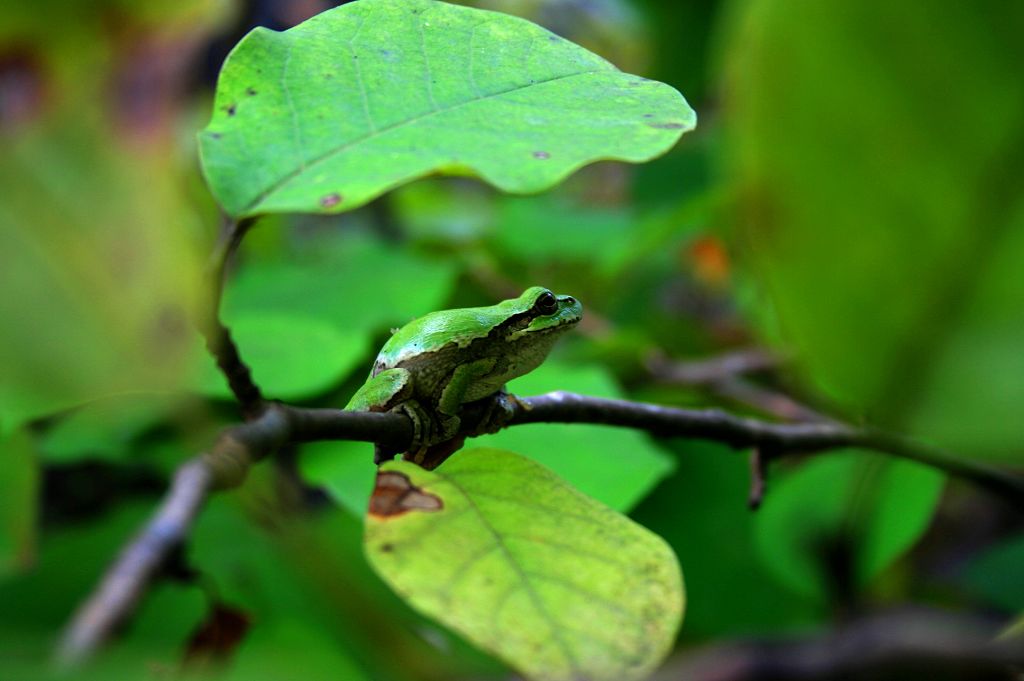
(434, 331)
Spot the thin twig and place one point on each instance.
(126, 580)
(714, 369)
(724, 377)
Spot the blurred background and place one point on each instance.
(842, 236)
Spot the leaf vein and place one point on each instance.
(472, 59)
(296, 127)
(604, 601)
(426, 62)
(533, 506)
(569, 548)
(524, 580)
(359, 77)
(291, 175)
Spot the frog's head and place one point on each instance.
(534, 321)
(541, 316)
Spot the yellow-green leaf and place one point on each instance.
(503, 551)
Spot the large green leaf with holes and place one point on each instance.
(502, 550)
(357, 100)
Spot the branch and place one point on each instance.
(723, 375)
(773, 439)
(907, 645)
(218, 336)
(126, 580)
(723, 367)
(239, 447)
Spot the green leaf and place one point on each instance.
(356, 283)
(503, 551)
(345, 469)
(362, 98)
(588, 234)
(19, 480)
(107, 428)
(291, 356)
(866, 507)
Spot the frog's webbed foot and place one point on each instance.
(434, 439)
(497, 410)
(434, 455)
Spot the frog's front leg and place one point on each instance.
(443, 424)
(390, 390)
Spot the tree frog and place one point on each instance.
(435, 364)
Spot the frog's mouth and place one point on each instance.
(570, 311)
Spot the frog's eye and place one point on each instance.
(546, 303)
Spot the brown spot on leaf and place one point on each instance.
(215, 135)
(231, 109)
(216, 638)
(648, 115)
(250, 91)
(330, 200)
(666, 126)
(394, 494)
(541, 155)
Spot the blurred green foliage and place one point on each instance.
(852, 200)
(891, 238)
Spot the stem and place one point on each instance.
(218, 336)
